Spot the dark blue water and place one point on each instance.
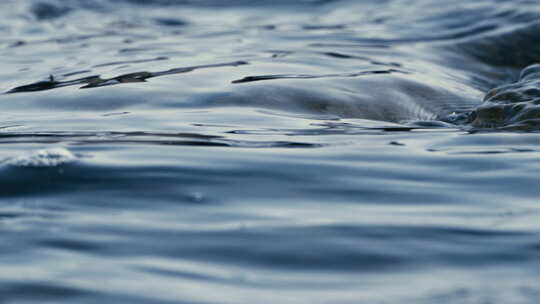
(269, 151)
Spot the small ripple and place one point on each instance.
(59, 156)
(317, 27)
(130, 61)
(47, 11)
(42, 291)
(172, 22)
(313, 76)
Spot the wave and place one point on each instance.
(514, 106)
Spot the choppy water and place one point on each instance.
(269, 151)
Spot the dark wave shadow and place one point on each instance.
(97, 81)
(309, 76)
(145, 138)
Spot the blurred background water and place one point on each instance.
(240, 151)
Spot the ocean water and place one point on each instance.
(207, 151)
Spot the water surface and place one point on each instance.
(269, 151)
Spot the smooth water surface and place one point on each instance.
(206, 151)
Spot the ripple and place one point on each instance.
(97, 81)
(513, 106)
(306, 76)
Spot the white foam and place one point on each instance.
(44, 158)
